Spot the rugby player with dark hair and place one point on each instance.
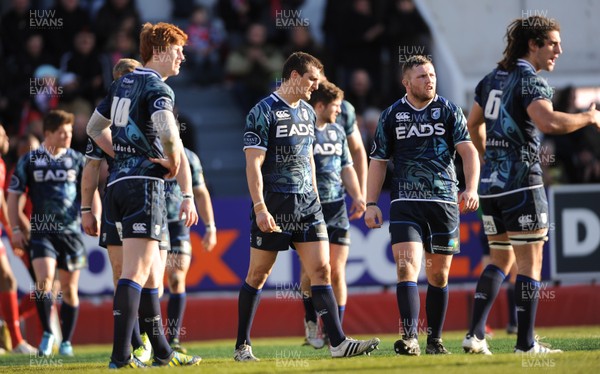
(512, 105)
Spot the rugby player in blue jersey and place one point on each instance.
(512, 105)
(280, 170)
(335, 175)
(90, 215)
(347, 119)
(135, 123)
(51, 175)
(420, 134)
(179, 245)
(177, 242)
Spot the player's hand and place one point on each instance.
(19, 252)
(468, 201)
(266, 222)
(209, 240)
(373, 217)
(187, 212)
(19, 240)
(90, 224)
(596, 115)
(357, 209)
(170, 163)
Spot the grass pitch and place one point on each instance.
(581, 346)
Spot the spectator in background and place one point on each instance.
(238, 15)
(332, 30)
(205, 46)
(361, 93)
(300, 39)
(114, 16)
(44, 93)
(361, 42)
(89, 67)
(14, 27)
(577, 154)
(121, 45)
(182, 8)
(278, 16)
(74, 19)
(254, 66)
(20, 69)
(367, 123)
(406, 34)
(72, 102)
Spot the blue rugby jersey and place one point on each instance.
(131, 101)
(512, 139)
(422, 144)
(331, 155)
(347, 117)
(173, 193)
(286, 134)
(92, 151)
(52, 183)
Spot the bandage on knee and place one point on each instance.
(500, 244)
(528, 239)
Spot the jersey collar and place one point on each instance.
(405, 101)
(145, 71)
(279, 98)
(522, 62)
(53, 157)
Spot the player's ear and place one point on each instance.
(533, 45)
(405, 80)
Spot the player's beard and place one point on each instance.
(424, 94)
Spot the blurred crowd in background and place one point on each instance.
(60, 53)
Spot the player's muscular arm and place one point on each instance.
(359, 157)
(254, 160)
(375, 178)
(4, 215)
(19, 239)
(184, 179)
(205, 209)
(350, 181)
(98, 128)
(476, 127)
(89, 187)
(313, 173)
(23, 219)
(550, 121)
(470, 159)
(165, 123)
